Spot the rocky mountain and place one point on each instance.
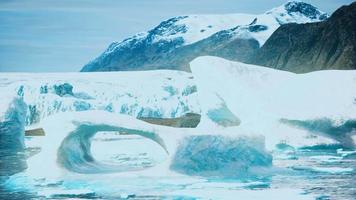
(300, 48)
(177, 41)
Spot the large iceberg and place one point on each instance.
(246, 112)
(299, 109)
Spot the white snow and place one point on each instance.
(194, 28)
(199, 27)
(260, 97)
(203, 26)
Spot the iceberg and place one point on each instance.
(67, 145)
(299, 109)
(12, 130)
(221, 156)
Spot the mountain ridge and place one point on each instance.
(177, 41)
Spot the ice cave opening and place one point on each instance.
(126, 150)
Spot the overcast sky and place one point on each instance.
(57, 36)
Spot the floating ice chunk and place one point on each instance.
(329, 170)
(346, 154)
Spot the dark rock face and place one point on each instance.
(189, 120)
(302, 48)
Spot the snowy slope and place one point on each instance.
(156, 48)
(141, 94)
(193, 28)
(278, 103)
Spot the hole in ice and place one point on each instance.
(77, 153)
(129, 151)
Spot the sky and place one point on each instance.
(63, 36)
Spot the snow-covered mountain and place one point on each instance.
(177, 41)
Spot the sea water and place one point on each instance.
(321, 172)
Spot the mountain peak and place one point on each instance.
(304, 9)
(294, 11)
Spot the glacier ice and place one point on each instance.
(220, 156)
(246, 112)
(341, 131)
(12, 130)
(260, 97)
(63, 89)
(68, 144)
(223, 116)
(164, 94)
(235, 100)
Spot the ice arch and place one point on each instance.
(68, 140)
(67, 146)
(75, 154)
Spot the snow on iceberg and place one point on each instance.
(164, 94)
(12, 130)
(268, 100)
